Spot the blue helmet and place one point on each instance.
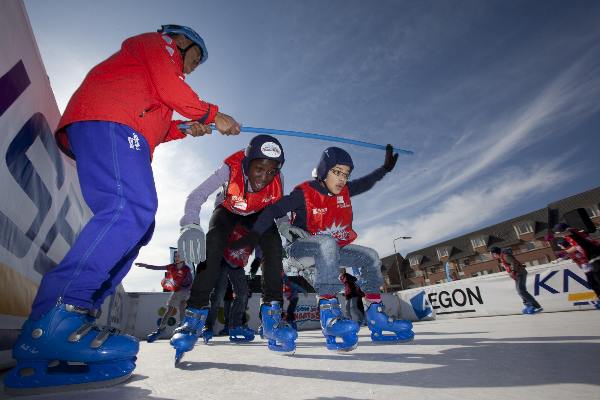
(329, 159)
(188, 33)
(263, 146)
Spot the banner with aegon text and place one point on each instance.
(41, 208)
(557, 287)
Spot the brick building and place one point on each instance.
(468, 255)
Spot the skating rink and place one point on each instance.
(545, 356)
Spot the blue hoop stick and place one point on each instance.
(316, 136)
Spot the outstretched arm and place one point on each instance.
(366, 182)
(154, 267)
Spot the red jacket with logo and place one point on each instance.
(237, 199)
(177, 278)
(329, 214)
(237, 257)
(138, 86)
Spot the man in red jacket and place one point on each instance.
(112, 124)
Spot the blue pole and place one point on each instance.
(316, 136)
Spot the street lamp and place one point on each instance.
(397, 261)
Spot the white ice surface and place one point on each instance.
(545, 356)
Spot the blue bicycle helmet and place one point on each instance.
(190, 34)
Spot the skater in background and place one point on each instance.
(251, 181)
(518, 273)
(291, 290)
(178, 281)
(584, 251)
(321, 228)
(353, 295)
(232, 287)
(111, 126)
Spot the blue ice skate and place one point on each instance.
(207, 334)
(241, 334)
(186, 336)
(378, 321)
(155, 335)
(335, 325)
(280, 336)
(65, 350)
(532, 310)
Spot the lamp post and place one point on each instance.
(397, 261)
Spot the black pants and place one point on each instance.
(593, 278)
(220, 227)
(290, 314)
(520, 284)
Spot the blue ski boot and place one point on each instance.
(241, 334)
(207, 334)
(65, 350)
(155, 335)
(186, 336)
(280, 336)
(378, 321)
(335, 325)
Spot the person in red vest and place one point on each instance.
(352, 293)
(232, 288)
(584, 251)
(251, 181)
(291, 290)
(518, 273)
(178, 281)
(321, 229)
(113, 122)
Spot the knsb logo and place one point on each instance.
(307, 313)
(579, 298)
(134, 142)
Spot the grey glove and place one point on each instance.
(192, 244)
(291, 232)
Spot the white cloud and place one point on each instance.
(564, 102)
(467, 211)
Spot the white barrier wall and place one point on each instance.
(557, 287)
(41, 209)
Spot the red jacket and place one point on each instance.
(138, 86)
(328, 215)
(237, 199)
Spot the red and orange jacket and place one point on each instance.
(139, 86)
(237, 199)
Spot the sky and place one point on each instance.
(499, 100)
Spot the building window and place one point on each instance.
(483, 257)
(524, 228)
(414, 261)
(478, 242)
(593, 211)
(530, 246)
(442, 253)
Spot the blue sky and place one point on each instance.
(500, 100)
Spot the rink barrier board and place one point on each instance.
(556, 286)
(41, 207)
